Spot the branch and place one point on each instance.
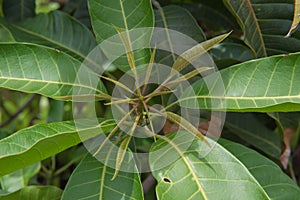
(19, 111)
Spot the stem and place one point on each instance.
(4, 109)
(53, 163)
(119, 101)
(148, 115)
(65, 167)
(113, 131)
(16, 114)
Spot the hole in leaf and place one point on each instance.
(166, 180)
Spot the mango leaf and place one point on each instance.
(195, 52)
(107, 16)
(92, 179)
(252, 131)
(207, 176)
(230, 52)
(16, 10)
(5, 35)
(79, 10)
(121, 155)
(288, 121)
(200, 176)
(127, 15)
(268, 20)
(37, 69)
(263, 169)
(35, 193)
(186, 125)
(38, 142)
(179, 19)
(246, 17)
(19, 179)
(57, 30)
(212, 15)
(267, 84)
(296, 18)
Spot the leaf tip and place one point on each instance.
(115, 175)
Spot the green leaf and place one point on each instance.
(92, 179)
(296, 18)
(275, 182)
(36, 69)
(38, 142)
(121, 154)
(230, 52)
(19, 179)
(213, 15)
(35, 193)
(179, 19)
(79, 10)
(186, 125)
(252, 131)
(195, 52)
(267, 84)
(5, 35)
(201, 172)
(106, 15)
(246, 17)
(274, 19)
(127, 15)
(16, 10)
(288, 120)
(57, 30)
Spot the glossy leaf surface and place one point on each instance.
(93, 180)
(38, 142)
(36, 69)
(35, 193)
(264, 170)
(265, 23)
(267, 84)
(19, 179)
(252, 131)
(57, 30)
(179, 19)
(110, 18)
(202, 173)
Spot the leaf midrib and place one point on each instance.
(187, 163)
(51, 41)
(45, 138)
(256, 136)
(50, 82)
(241, 97)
